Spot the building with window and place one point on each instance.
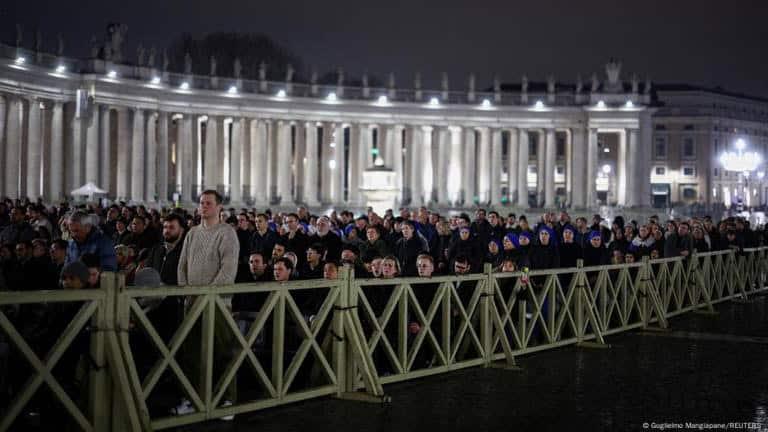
(692, 126)
(146, 134)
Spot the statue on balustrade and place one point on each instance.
(612, 71)
(116, 36)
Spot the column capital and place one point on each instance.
(426, 128)
(456, 129)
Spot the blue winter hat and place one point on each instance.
(348, 229)
(593, 234)
(513, 238)
(527, 235)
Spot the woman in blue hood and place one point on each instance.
(544, 255)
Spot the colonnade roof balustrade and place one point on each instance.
(50, 76)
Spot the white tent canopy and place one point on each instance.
(88, 189)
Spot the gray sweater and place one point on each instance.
(209, 256)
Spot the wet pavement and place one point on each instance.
(709, 369)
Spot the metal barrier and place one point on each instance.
(306, 339)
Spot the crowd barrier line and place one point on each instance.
(362, 333)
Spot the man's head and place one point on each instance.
(390, 268)
(173, 228)
(330, 270)
(80, 225)
(425, 265)
(138, 225)
(323, 225)
(256, 264)
(39, 248)
(292, 220)
(210, 206)
(408, 229)
(683, 229)
(349, 254)
(74, 276)
(278, 251)
(282, 269)
(373, 234)
(93, 263)
(480, 215)
(493, 218)
(262, 222)
(461, 265)
(59, 251)
(17, 215)
(23, 250)
(242, 222)
(315, 253)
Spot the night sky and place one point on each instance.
(705, 42)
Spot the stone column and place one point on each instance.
(284, 173)
(77, 152)
(496, 168)
(569, 167)
(34, 149)
(137, 156)
(162, 156)
(195, 153)
(633, 164)
(513, 151)
(443, 156)
(341, 166)
(299, 155)
(455, 159)
(259, 161)
(621, 170)
(397, 164)
(123, 153)
(579, 166)
(549, 169)
(644, 161)
(272, 162)
(187, 157)
(355, 165)
(151, 162)
(105, 149)
(310, 174)
(417, 168)
(541, 169)
(245, 162)
(57, 152)
(366, 138)
(326, 155)
(387, 138)
(591, 168)
(235, 161)
(3, 109)
(91, 125)
(211, 158)
(470, 155)
(13, 147)
(522, 168)
(484, 166)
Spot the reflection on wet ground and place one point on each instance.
(708, 369)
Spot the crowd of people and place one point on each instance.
(67, 247)
(38, 242)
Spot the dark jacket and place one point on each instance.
(166, 262)
(263, 243)
(98, 244)
(406, 252)
(331, 242)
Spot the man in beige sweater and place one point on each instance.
(209, 257)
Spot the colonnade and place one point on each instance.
(50, 147)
